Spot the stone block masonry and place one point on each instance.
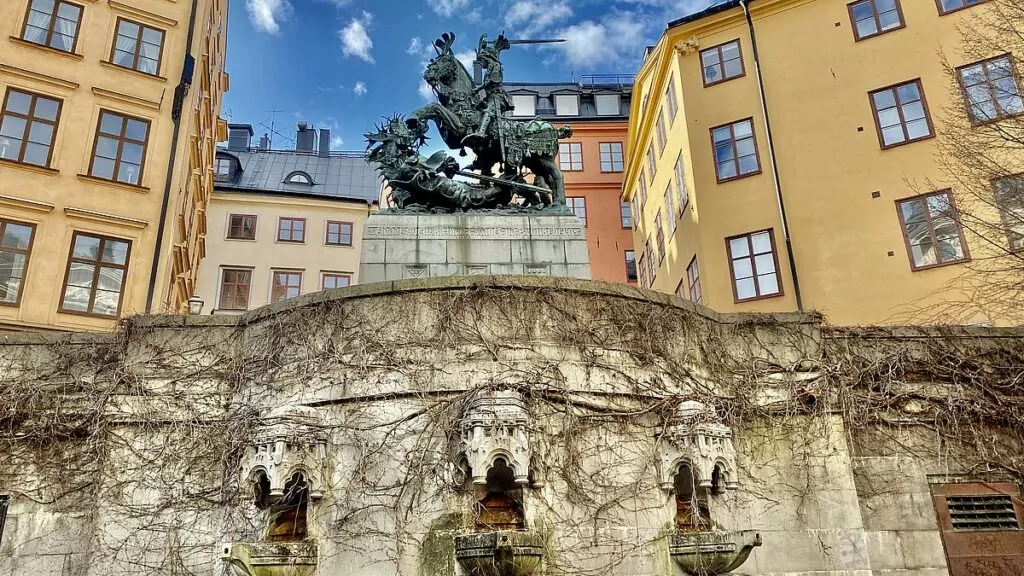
(396, 246)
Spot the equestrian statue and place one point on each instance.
(470, 116)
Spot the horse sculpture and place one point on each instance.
(511, 144)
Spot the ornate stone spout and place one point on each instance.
(271, 558)
(711, 553)
(501, 553)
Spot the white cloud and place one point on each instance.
(608, 42)
(415, 46)
(355, 41)
(336, 142)
(532, 16)
(268, 15)
(467, 57)
(426, 92)
(360, 88)
(447, 8)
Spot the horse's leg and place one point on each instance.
(548, 169)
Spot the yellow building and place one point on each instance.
(107, 136)
(284, 222)
(786, 160)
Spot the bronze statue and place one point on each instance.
(471, 116)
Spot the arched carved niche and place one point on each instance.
(495, 426)
(290, 442)
(694, 437)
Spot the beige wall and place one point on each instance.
(266, 254)
(60, 199)
(848, 245)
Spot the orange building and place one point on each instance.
(597, 108)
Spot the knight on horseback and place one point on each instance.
(496, 101)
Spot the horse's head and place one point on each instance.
(445, 69)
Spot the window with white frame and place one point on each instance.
(524, 105)
(567, 104)
(611, 156)
(608, 104)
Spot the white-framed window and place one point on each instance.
(578, 205)
(611, 156)
(570, 156)
(567, 104)
(608, 104)
(524, 105)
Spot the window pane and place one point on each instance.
(742, 268)
(106, 302)
(893, 135)
(923, 254)
(762, 242)
(908, 92)
(949, 249)
(709, 58)
(18, 102)
(81, 275)
(16, 236)
(726, 170)
(723, 134)
(40, 133)
(76, 299)
(733, 68)
(132, 153)
(111, 124)
(13, 127)
(724, 152)
(889, 117)
(129, 29)
(889, 19)
(745, 289)
(136, 130)
(128, 173)
(769, 284)
(87, 247)
(115, 252)
(748, 164)
(884, 99)
(918, 129)
(738, 247)
(111, 279)
(124, 57)
(46, 109)
(37, 154)
(914, 111)
(742, 129)
(765, 263)
(745, 147)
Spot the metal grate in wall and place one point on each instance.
(982, 512)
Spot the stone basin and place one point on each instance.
(271, 558)
(710, 553)
(500, 553)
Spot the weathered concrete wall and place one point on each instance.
(123, 450)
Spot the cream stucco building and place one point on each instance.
(284, 222)
(108, 125)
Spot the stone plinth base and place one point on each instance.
(419, 246)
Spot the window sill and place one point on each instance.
(11, 304)
(46, 49)
(905, 143)
(723, 81)
(229, 238)
(113, 183)
(876, 34)
(338, 245)
(89, 314)
(914, 268)
(29, 167)
(756, 298)
(156, 77)
(279, 241)
(740, 177)
(965, 7)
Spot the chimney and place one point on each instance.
(264, 142)
(304, 138)
(478, 72)
(325, 142)
(239, 137)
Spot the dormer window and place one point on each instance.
(222, 169)
(567, 104)
(607, 104)
(524, 105)
(298, 178)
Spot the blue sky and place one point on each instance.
(342, 64)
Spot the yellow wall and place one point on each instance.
(817, 79)
(265, 253)
(60, 200)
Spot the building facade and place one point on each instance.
(284, 223)
(592, 161)
(765, 182)
(107, 131)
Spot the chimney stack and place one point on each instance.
(325, 143)
(304, 138)
(265, 142)
(239, 137)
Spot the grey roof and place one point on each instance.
(545, 92)
(340, 176)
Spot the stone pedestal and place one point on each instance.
(396, 246)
